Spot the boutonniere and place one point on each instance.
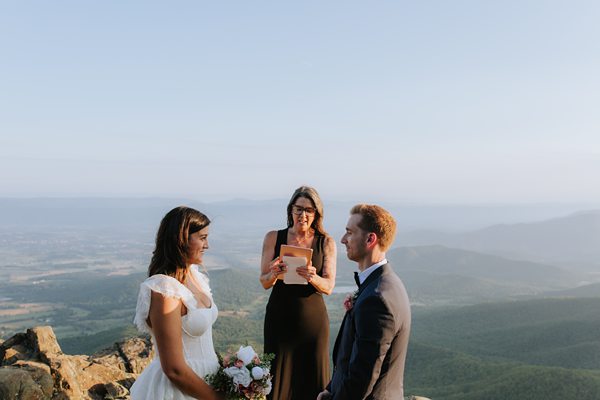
(350, 300)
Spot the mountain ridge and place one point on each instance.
(570, 241)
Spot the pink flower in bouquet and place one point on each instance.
(256, 360)
(239, 363)
(226, 360)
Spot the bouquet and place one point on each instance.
(243, 375)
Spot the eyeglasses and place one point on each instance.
(299, 210)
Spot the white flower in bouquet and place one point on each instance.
(246, 354)
(240, 376)
(258, 373)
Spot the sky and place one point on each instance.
(420, 101)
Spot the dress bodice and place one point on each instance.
(199, 320)
(197, 333)
(196, 324)
(196, 327)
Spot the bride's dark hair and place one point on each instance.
(170, 254)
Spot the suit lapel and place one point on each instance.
(339, 338)
(374, 276)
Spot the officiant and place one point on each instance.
(296, 326)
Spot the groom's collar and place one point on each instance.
(363, 275)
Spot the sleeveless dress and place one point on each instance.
(198, 349)
(297, 331)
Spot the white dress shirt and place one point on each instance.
(362, 276)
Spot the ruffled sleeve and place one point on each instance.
(165, 285)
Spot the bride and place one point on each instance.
(175, 306)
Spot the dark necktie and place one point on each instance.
(356, 279)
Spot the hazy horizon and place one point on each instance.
(354, 199)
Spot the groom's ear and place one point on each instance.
(371, 239)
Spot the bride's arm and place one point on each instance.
(165, 315)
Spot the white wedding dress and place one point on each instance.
(198, 348)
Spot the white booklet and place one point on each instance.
(291, 277)
(294, 257)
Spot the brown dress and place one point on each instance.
(297, 332)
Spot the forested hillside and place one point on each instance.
(445, 374)
(555, 332)
(541, 349)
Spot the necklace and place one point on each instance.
(301, 240)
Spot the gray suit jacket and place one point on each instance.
(370, 349)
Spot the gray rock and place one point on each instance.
(32, 366)
(40, 373)
(17, 383)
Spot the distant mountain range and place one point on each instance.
(591, 290)
(571, 242)
(263, 214)
(447, 261)
(437, 275)
(501, 261)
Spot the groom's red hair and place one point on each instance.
(378, 220)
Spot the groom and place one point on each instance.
(370, 349)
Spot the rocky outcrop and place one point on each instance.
(33, 367)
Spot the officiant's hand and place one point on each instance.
(277, 267)
(308, 272)
(324, 395)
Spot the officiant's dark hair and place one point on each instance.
(170, 254)
(312, 195)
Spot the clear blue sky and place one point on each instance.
(420, 101)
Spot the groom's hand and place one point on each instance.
(324, 395)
